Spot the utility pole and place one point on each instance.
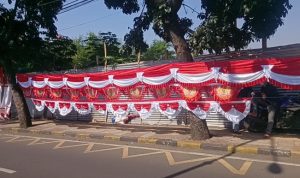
(105, 56)
(139, 58)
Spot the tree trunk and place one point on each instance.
(21, 106)
(181, 47)
(264, 43)
(199, 129)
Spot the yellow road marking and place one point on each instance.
(39, 141)
(6, 137)
(242, 171)
(126, 155)
(16, 139)
(91, 145)
(172, 161)
(59, 145)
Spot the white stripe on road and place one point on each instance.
(7, 170)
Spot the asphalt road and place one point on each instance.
(40, 157)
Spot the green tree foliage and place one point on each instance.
(22, 22)
(219, 30)
(92, 48)
(163, 15)
(158, 50)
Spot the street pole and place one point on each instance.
(105, 57)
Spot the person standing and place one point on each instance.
(270, 98)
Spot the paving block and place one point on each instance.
(242, 149)
(96, 136)
(129, 139)
(274, 152)
(189, 144)
(146, 140)
(167, 142)
(210, 146)
(112, 137)
(82, 136)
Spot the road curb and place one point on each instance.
(190, 144)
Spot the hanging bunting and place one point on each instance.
(235, 112)
(82, 108)
(64, 108)
(91, 93)
(137, 92)
(171, 110)
(55, 93)
(161, 92)
(189, 93)
(39, 105)
(39, 92)
(101, 108)
(74, 94)
(111, 93)
(27, 92)
(224, 93)
(52, 106)
(144, 110)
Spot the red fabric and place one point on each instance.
(40, 92)
(50, 104)
(27, 92)
(22, 77)
(100, 107)
(55, 78)
(3, 79)
(238, 106)
(74, 94)
(136, 93)
(144, 106)
(203, 106)
(82, 105)
(287, 66)
(189, 93)
(37, 102)
(64, 104)
(111, 93)
(121, 106)
(91, 93)
(55, 93)
(165, 106)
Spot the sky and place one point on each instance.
(96, 17)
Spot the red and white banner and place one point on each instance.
(172, 87)
(5, 96)
(283, 73)
(234, 111)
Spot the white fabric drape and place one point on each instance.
(241, 78)
(234, 115)
(120, 114)
(26, 84)
(51, 108)
(198, 78)
(174, 74)
(5, 101)
(82, 111)
(63, 111)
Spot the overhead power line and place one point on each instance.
(68, 6)
(74, 5)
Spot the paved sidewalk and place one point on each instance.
(287, 145)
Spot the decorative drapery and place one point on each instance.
(5, 101)
(280, 72)
(234, 111)
(173, 87)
